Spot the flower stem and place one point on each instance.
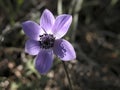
(65, 68)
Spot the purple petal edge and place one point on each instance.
(64, 50)
(43, 61)
(61, 25)
(32, 47)
(32, 29)
(47, 20)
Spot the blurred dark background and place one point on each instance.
(94, 33)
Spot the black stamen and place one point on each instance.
(46, 41)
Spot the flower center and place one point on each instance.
(46, 41)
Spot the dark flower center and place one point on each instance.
(46, 41)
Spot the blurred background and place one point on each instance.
(94, 33)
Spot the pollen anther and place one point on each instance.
(46, 41)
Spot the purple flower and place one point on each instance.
(45, 39)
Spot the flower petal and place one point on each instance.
(32, 47)
(47, 20)
(61, 25)
(43, 61)
(32, 30)
(64, 50)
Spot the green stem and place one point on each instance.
(65, 68)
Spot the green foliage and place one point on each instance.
(11, 8)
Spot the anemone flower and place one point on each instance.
(45, 40)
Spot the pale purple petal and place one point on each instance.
(43, 61)
(61, 25)
(32, 30)
(47, 20)
(64, 50)
(32, 47)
